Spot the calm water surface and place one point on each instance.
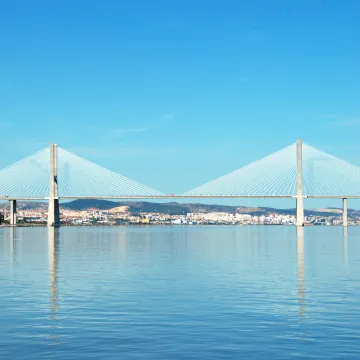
(180, 293)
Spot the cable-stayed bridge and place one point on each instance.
(297, 171)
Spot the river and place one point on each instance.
(202, 292)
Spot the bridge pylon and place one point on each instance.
(345, 212)
(299, 187)
(54, 208)
(12, 212)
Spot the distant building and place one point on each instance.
(179, 221)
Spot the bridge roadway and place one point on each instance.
(169, 197)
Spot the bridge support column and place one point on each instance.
(299, 212)
(54, 212)
(345, 212)
(299, 189)
(12, 217)
(54, 208)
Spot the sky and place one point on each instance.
(175, 93)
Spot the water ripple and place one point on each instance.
(179, 293)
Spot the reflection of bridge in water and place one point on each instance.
(301, 275)
(346, 251)
(12, 245)
(301, 266)
(53, 257)
(53, 235)
(53, 253)
(298, 171)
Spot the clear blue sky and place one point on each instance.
(175, 93)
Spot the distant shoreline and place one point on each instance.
(154, 225)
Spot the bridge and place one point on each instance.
(298, 171)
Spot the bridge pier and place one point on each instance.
(299, 212)
(299, 189)
(53, 213)
(54, 208)
(12, 216)
(345, 212)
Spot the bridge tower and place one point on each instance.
(299, 187)
(12, 217)
(345, 212)
(54, 208)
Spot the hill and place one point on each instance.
(174, 208)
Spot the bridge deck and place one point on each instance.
(169, 197)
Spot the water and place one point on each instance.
(180, 293)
